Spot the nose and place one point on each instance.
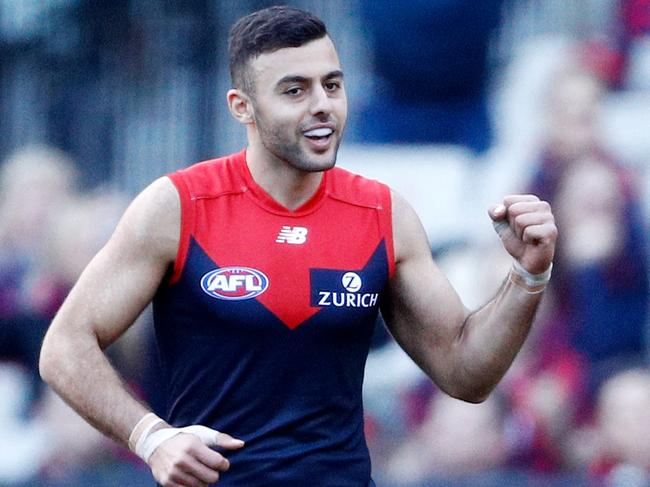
(320, 101)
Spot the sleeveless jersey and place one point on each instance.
(264, 325)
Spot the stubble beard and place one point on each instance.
(290, 151)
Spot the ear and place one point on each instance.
(240, 106)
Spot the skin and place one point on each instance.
(296, 89)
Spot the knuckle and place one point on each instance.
(218, 461)
(520, 221)
(211, 477)
(519, 208)
(187, 448)
(175, 476)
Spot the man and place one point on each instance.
(267, 269)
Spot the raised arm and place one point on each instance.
(467, 353)
(110, 294)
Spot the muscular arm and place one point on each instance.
(465, 353)
(112, 291)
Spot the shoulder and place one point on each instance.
(152, 220)
(355, 189)
(409, 236)
(211, 177)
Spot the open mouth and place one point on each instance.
(319, 134)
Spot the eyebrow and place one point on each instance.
(301, 79)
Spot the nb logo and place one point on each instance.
(292, 235)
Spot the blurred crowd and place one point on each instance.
(575, 407)
(49, 231)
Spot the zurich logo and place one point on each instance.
(351, 282)
(234, 283)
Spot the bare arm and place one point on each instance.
(465, 353)
(110, 294)
(112, 291)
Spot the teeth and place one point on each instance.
(322, 132)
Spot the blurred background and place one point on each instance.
(454, 103)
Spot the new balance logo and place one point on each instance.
(292, 235)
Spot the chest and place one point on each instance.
(331, 259)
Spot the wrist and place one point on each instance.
(142, 432)
(529, 282)
(151, 431)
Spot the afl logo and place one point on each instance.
(234, 283)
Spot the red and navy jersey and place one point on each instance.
(265, 322)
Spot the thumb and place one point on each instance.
(499, 218)
(226, 441)
(211, 437)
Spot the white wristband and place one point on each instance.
(148, 444)
(145, 442)
(142, 429)
(532, 283)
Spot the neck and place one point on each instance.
(289, 186)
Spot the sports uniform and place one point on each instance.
(265, 322)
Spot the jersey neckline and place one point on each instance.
(265, 200)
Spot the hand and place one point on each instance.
(186, 459)
(527, 229)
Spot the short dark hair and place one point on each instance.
(265, 31)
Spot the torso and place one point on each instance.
(265, 323)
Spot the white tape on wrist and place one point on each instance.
(532, 283)
(500, 226)
(148, 441)
(142, 429)
(147, 445)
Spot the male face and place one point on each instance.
(299, 106)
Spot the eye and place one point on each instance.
(332, 85)
(294, 91)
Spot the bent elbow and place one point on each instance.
(44, 366)
(474, 395)
(474, 398)
(47, 361)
